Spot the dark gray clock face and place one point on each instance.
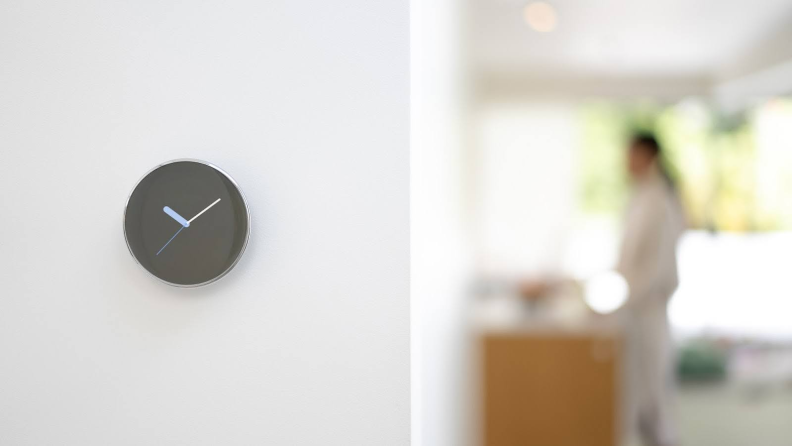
(186, 223)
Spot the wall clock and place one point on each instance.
(187, 223)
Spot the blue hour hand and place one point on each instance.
(182, 221)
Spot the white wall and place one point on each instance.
(306, 342)
(525, 186)
(439, 260)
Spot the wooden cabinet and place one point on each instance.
(543, 389)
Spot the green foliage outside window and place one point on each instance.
(724, 181)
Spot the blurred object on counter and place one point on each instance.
(606, 292)
(702, 361)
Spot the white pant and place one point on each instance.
(650, 363)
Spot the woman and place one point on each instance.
(647, 261)
(653, 224)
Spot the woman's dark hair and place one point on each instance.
(647, 141)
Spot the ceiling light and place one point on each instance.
(541, 17)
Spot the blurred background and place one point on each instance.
(522, 113)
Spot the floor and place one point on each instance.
(735, 415)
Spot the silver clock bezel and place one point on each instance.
(244, 202)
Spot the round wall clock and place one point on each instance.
(187, 223)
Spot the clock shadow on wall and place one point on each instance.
(187, 223)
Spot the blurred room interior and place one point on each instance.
(522, 111)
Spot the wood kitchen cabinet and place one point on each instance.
(546, 388)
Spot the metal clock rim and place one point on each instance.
(244, 201)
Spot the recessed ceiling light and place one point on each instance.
(541, 17)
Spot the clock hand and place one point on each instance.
(199, 214)
(182, 221)
(171, 239)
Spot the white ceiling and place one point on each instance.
(635, 38)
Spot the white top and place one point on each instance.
(654, 222)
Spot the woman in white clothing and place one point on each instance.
(653, 224)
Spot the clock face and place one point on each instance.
(187, 223)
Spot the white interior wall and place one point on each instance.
(439, 250)
(526, 185)
(305, 104)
